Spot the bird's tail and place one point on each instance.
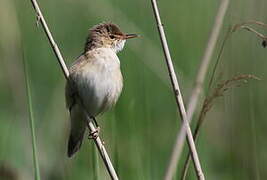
(78, 125)
(74, 144)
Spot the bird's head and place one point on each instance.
(107, 35)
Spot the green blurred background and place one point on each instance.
(140, 131)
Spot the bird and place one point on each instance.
(95, 80)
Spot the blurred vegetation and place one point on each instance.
(140, 131)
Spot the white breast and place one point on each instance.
(100, 82)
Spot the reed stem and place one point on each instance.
(98, 142)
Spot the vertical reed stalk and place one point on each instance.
(31, 122)
(98, 142)
(194, 97)
(177, 93)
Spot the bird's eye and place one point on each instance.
(111, 36)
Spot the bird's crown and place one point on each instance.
(106, 35)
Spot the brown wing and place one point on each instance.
(69, 95)
(70, 90)
(78, 120)
(78, 123)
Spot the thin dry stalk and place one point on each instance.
(208, 104)
(98, 142)
(259, 23)
(246, 26)
(203, 68)
(208, 101)
(177, 93)
(194, 97)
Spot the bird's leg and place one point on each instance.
(94, 134)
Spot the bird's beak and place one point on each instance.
(129, 36)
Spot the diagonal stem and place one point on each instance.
(65, 70)
(177, 93)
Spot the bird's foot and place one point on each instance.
(94, 134)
